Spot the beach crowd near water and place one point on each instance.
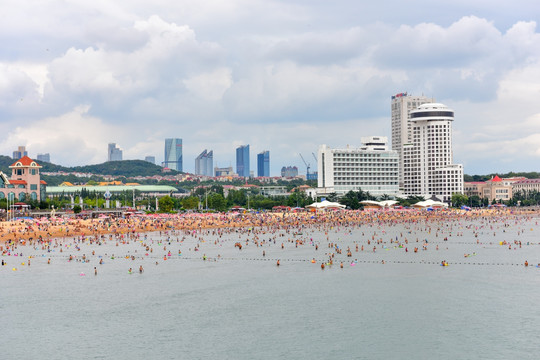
(329, 239)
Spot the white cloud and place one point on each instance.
(283, 76)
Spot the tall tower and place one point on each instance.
(402, 105)
(20, 152)
(210, 163)
(242, 161)
(427, 160)
(200, 163)
(114, 153)
(263, 163)
(173, 154)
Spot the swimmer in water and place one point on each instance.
(141, 270)
(95, 270)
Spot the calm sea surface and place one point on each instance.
(242, 306)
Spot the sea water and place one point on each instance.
(241, 305)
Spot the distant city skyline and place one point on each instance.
(282, 76)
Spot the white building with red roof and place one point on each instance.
(25, 182)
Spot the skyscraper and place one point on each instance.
(204, 163)
(242, 160)
(150, 159)
(402, 104)
(210, 163)
(44, 157)
(20, 152)
(427, 161)
(173, 154)
(114, 153)
(263, 163)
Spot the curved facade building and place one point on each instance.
(173, 154)
(428, 167)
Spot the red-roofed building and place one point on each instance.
(526, 185)
(493, 189)
(25, 182)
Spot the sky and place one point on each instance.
(284, 76)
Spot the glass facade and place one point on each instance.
(242, 161)
(173, 154)
(263, 164)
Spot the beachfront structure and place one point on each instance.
(427, 162)
(20, 152)
(114, 153)
(173, 154)
(128, 190)
(526, 186)
(498, 189)
(263, 163)
(44, 157)
(204, 163)
(25, 182)
(372, 168)
(401, 106)
(242, 161)
(289, 171)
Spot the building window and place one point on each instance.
(33, 186)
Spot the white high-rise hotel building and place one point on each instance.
(427, 159)
(402, 105)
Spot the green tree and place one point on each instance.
(217, 202)
(166, 204)
(350, 200)
(191, 202)
(459, 200)
(77, 209)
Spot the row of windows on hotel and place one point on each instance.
(366, 178)
(378, 169)
(394, 183)
(364, 155)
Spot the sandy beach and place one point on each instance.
(44, 229)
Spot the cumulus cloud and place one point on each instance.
(67, 137)
(282, 76)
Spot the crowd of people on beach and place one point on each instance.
(155, 233)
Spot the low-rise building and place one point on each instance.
(526, 185)
(25, 182)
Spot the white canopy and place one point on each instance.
(325, 205)
(384, 203)
(430, 203)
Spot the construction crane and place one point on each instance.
(307, 166)
(314, 156)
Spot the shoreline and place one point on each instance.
(58, 228)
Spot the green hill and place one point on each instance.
(127, 168)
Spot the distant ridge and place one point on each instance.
(127, 168)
